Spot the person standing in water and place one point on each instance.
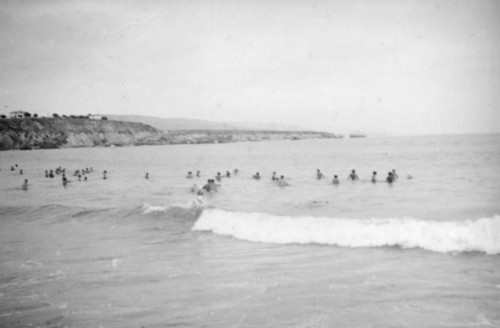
(282, 182)
(353, 176)
(374, 177)
(394, 175)
(65, 181)
(390, 178)
(256, 176)
(319, 175)
(25, 185)
(335, 180)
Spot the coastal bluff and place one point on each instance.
(46, 133)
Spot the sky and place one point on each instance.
(374, 66)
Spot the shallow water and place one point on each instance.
(130, 252)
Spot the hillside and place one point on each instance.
(40, 133)
(175, 124)
(35, 133)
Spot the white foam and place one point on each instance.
(148, 208)
(197, 204)
(439, 236)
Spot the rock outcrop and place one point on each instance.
(42, 133)
(36, 133)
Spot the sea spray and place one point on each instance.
(439, 236)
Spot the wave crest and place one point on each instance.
(439, 236)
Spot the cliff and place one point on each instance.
(225, 136)
(40, 133)
(35, 133)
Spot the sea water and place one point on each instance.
(133, 252)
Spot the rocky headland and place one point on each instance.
(44, 133)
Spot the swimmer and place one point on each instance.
(353, 176)
(374, 177)
(208, 186)
(409, 176)
(85, 179)
(282, 182)
(228, 175)
(235, 171)
(256, 176)
(335, 180)
(79, 177)
(21, 172)
(146, 176)
(195, 188)
(189, 175)
(394, 174)
(25, 185)
(390, 178)
(319, 175)
(65, 181)
(197, 174)
(213, 185)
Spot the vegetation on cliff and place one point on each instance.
(40, 133)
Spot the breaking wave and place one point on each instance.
(481, 235)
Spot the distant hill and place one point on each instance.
(170, 124)
(174, 124)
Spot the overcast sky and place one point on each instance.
(397, 67)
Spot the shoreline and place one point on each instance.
(53, 133)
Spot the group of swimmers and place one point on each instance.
(392, 176)
(79, 173)
(211, 186)
(59, 171)
(15, 167)
(25, 184)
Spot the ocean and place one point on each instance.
(127, 251)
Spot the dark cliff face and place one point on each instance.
(40, 133)
(37, 133)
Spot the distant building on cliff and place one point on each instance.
(19, 114)
(95, 117)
